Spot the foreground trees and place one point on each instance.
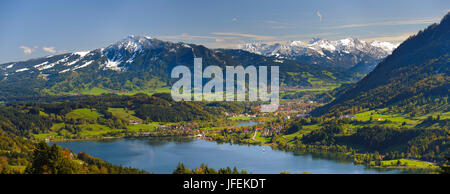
(56, 160)
(204, 169)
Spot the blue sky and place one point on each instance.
(34, 28)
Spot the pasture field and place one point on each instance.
(142, 127)
(406, 163)
(239, 118)
(85, 114)
(380, 117)
(264, 140)
(124, 114)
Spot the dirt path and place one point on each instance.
(254, 135)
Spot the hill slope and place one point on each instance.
(413, 80)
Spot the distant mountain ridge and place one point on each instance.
(350, 53)
(414, 79)
(138, 63)
(116, 57)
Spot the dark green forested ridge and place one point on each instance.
(28, 118)
(428, 144)
(413, 79)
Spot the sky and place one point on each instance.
(36, 28)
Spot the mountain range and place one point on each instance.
(350, 53)
(138, 63)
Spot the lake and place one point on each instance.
(246, 124)
(161, 155)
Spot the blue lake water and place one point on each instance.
(246, 124)
(161, 155)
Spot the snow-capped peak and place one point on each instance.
(348, 51)
(320, 45)
(133, 43)
(298, 43)
(125, 50)
(314, 40)
(347, 45)
(387, 46)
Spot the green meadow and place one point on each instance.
(143, 127)
(305, 129)
(124, 114)
(264, 140)
(93, 129)
(85, 114)
(405, 163)
(380, 117)
(239, 118)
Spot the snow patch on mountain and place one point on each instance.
(81, 53)
(41, 64)
(113, 65)
(278, 61)
(72, 63)
(65, 70)
(83, 65)
(23, 69)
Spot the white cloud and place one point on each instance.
(234, 19)
(234, 39)
(388, 23)
(225, 45)
(186, 36)
(28, 50)
(278, 25)
(49, 49)
(219, 39)
(396, 39)
(308, 36)
(251, 36)
(209, 40)
(320, 15)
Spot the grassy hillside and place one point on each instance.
(415, 79)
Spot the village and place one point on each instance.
(249, 123)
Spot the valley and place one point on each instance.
(288, 129)
(391, 115)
